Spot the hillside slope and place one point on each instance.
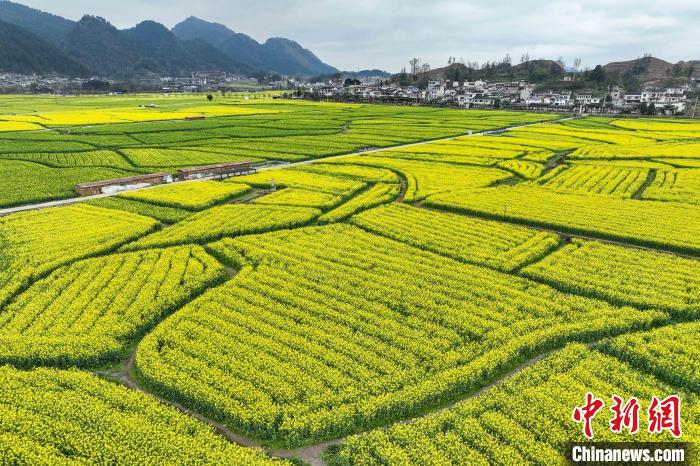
(23, 52)
(533, 71)
(645, 68)
(46, 26)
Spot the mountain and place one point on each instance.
(46, 26)
(277, 55)
(148, 48)
(237, 46)
(99, 46)
(24, 53)
(288, 57)
(645, 69)
(211, 58)
(157, 49)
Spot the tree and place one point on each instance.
(403, 78)
(643, 109)
(651, 109)
(414, 62)
(577, 63)
(455, 73)
(676, 70)
(507, 60)
(598, 74)
(210, 97)
(422, 82)
(631, 82)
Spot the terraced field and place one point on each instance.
(442, 302)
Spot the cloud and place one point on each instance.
(386, 34)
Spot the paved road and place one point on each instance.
(62, 202)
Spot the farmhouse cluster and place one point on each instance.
(482, 94)
(197, 81)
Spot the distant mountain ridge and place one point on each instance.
(24, 53)
(49, 27)
(277, 54)
(149, 48)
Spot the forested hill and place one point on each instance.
(24, 53)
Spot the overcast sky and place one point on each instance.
(385, 34)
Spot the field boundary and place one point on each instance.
(73, 200)
(687, 253)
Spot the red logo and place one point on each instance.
(587, 412)
(663, 415)
(626, 416)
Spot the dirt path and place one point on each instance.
(310, 454)
(404, 188)
(651, 176)
(313, 454)
(126, 378)
(248, 199)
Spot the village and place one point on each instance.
(198, 81)
(483, 94)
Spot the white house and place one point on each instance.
(587, 99)
(475, 100)
(631, 99)
(478, 86)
